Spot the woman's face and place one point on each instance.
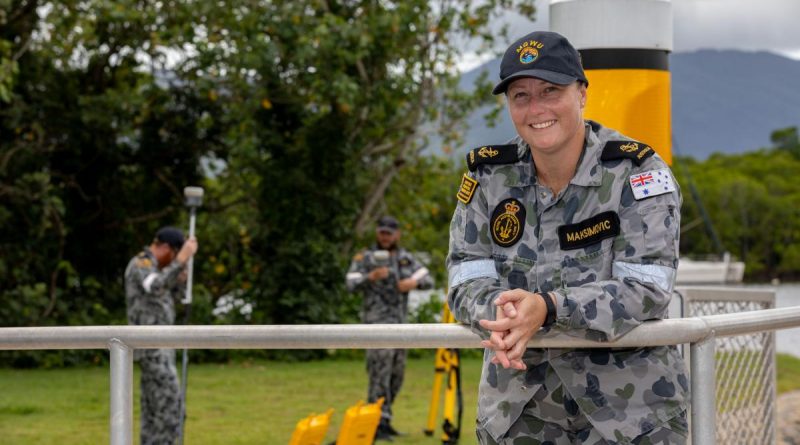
(547, 116)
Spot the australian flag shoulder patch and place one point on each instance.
(651, 183)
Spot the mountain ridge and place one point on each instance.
(723, 101)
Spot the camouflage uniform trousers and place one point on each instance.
(160, 397)
(385, 368)
(552, 417)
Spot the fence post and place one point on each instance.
(704, 420)
(121, 393)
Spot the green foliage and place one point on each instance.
(423, 199)
(326, 116)
(8, 69)
(296, 117)
(754, 204)
(428, 311)
(786, 139)
(93, 153)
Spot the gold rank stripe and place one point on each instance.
(467, 189)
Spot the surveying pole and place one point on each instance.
(447, 365)
(194, 199)
(624, 47)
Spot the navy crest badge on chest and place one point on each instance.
(508, 222)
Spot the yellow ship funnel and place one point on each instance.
(624, 46)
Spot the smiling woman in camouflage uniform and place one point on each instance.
(570, 228)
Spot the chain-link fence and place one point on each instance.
(745, 368)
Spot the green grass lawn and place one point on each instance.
(241, 403)
(788, 371)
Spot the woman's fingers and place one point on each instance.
(509, 309)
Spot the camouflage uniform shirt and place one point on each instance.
(608, 257)
(383, 303)
(150, 293)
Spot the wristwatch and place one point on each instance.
(550, 318)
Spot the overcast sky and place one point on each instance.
(771, 25)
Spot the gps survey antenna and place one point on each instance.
(194, 199)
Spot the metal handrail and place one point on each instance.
(377, 336)
(343, 336)
(122, 340)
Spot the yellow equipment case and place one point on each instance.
(312, 429)
(360, 423)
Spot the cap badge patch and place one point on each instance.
(528, 55)
(467, 189)
(651, 183)
(507, 223)
(528, 51)
(487, 152)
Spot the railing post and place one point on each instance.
(704, 419)
(121, 393)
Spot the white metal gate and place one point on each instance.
(745, 367)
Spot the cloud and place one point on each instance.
(751, 25)
(737, 24)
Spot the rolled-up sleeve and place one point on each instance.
(357, 274)
(421, 274)
(473, 279)
(155, 281)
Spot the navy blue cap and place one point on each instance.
(544, 55)
(171, 236)
(388, 223)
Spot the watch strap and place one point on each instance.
(550, 318)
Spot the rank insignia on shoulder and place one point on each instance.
(467, 189)
(404, 262)
(508, 222)
(144, 262)
(635, 151)
(651, 183)
(358, 257)
(589, 231)
(492, 154)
